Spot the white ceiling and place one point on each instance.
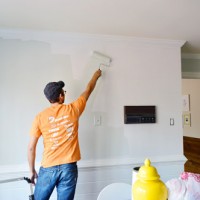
(169, 19)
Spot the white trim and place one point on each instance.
(49, 36)
(191, 75)
(100, 163)
(190, 56)
(129, 161)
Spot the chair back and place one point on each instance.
(116, 191)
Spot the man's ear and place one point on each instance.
(61, 98)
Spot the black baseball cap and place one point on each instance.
(53, 89)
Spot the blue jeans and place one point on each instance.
(63, 177)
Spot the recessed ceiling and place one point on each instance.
(168, 19)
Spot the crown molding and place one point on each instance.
(190, 56)
(49, 36)
(190, 75)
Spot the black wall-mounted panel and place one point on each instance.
(139, 114)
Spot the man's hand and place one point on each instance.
(33, 177)
(97, 73)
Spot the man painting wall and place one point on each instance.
(58, 125)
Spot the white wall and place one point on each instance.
(143, 72)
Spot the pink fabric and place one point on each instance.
(187, 175)
(176, 189)
(186, 187)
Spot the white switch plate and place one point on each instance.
(97, 120)
(171, 121)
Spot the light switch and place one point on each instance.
(97, 120)
(171, 121)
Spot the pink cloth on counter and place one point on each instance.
(186, 187)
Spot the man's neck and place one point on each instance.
(55, 104)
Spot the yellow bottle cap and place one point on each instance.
(148, 172)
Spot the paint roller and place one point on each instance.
(102, 59)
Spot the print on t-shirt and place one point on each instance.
(57, 125)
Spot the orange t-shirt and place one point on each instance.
(59, 127)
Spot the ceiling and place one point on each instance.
(168, 19)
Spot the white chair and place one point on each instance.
(115, 191)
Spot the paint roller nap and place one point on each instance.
(102, 59)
